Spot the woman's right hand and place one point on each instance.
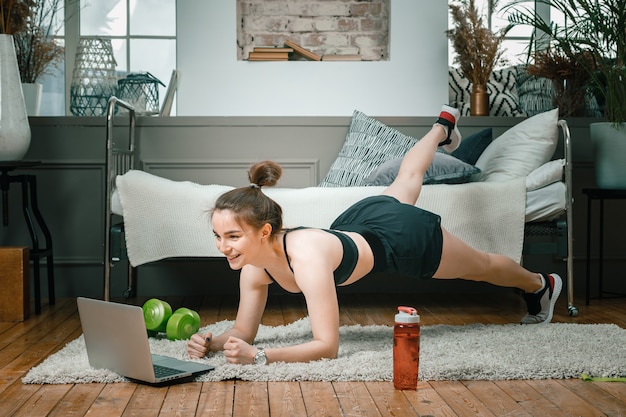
(198, 345)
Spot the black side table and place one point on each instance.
(30, 208)
(598, 194)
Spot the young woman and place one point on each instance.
(379, 233)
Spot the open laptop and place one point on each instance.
(116, 339)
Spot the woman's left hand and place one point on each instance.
(238, 351)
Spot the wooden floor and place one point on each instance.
(23, 345)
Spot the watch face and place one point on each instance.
(260, 358)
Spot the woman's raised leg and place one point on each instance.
(408, 183)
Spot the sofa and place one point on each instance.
(487, 191)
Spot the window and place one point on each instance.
(516, 43)
(142, 32)
(53, 92)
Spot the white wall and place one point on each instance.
(213, 83)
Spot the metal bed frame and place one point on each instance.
(119, 160)
(559, 231)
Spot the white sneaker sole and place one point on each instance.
(556, 291)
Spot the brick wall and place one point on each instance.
(322, 26)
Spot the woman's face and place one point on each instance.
(237, 240)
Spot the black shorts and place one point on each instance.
(405, 239)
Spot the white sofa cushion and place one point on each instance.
(546, 174)
(521, 149)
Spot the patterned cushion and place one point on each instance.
(503, 96)
(592, 107)
(535, 93)
(502, 88)
(459, 88)
(368, 144)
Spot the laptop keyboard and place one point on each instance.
(164, 371)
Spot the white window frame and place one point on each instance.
(541, 8)
(72, 37)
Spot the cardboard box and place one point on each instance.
(14, 283)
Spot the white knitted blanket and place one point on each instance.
(165, 218)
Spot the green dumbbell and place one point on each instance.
(182, 324)
(156, 314)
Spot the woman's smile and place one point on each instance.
(233, 258)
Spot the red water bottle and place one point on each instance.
(406, 348)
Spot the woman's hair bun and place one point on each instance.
(265, 174)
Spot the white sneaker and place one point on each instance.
(541, 304)
(448, 118)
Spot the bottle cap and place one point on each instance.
(407, 315)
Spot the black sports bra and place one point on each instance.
(348, 261)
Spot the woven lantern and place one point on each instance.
(142, 91)
(93, 80)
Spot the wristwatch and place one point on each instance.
(260, 358)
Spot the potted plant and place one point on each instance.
(594, 29)
(33, 24)
(569, 78)
(478, 50)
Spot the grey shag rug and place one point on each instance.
(471, 352)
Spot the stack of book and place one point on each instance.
(269, 53)
(290, 50)
(299, 50)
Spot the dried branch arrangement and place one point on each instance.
(33, 24)
(568, 74)
(478, 48)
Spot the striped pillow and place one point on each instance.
(368, 144)
(535, 93)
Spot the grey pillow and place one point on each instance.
(445, 169)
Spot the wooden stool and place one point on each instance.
(14, 281)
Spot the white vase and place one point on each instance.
(14, 127)
(609, 153)
(32, 97)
